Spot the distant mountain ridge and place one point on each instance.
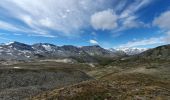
(24, 52)
(129, 51)
(21, 51)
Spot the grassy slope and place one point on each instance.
(120, 88)
(120, 80)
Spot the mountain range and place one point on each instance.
(130, 51)
(109, 72)
(24, 52)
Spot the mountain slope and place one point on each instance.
(124, 79)
(96, 50)
(17, 84)
(20, 51)
(161, 52)
(16, 51)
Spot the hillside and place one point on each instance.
(17, 84)
(142, 76)
(117, 87)
(129, 78)
(161, 52)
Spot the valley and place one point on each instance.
(144, 76)
(118, 83)
(84, 49)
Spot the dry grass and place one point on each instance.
(129, 86)
(121, 80)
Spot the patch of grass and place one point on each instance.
(119, 87)
(103, 61)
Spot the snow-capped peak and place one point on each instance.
(9, 43)
(132, 51)
(112, 49)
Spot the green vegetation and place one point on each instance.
(103, 61)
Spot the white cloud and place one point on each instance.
(43, 35)
(46, 22)
(30, 32)
(168, 32)
(93, 42)
(163, 21)
(69, 17)
(105, 20)
(27, 19)
(144, 42)
(135, 6)
(131, 22)
(66, 17)
(129, 19)
(7, 26)
(17, 34)
(167, 39)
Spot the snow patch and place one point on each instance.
(60, 60)
(47, 47)
(9, 43)
(17, 67)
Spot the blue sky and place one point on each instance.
(109, 23)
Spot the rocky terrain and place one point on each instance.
(106, 76)
(128, 87)
(16, 51)
(17, 84)
(161, 52)
(130, 78)
(140, 82)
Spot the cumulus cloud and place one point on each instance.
(93, 42)
(163, 21)
(105, 20)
